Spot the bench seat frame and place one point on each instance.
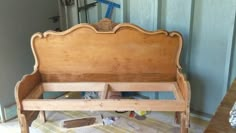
(30, 103)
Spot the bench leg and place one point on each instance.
(177, 117)
(23, 123)
(184, 126)
(42, 116)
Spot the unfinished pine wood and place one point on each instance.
(105, 25)
(23, 123)
(178, 94)
(104, 57)
(114, 86)
(121, 55)
(42, 116)
(36, 93)
(22, 90)
(79, 122)
(101, 77)
(220, 121)
(73, 86)
(183, 128)
(184, 87)
(105, 92)
(102, 105)
(25, 86)
(142, 86)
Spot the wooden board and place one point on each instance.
(128, 53)
(114, 86)
(103, 105)
(220, 121)
(79, 122)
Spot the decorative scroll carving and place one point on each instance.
(104, 25)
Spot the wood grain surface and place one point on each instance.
(220, 121)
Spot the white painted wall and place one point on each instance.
(19, 19)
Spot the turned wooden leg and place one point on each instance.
(23, 123)
(42, 116)
(183, 126)
(177, 117)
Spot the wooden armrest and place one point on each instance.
(22, 89)
(25, 86)
(186, 91)
(184, 86)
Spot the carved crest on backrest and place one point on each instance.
(104, 25)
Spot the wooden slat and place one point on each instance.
(103, 105)
(178, 94)
(114, 86)
(107, 77)
(36, 93)
(183, 85)
(105, 92)
(70, 86)
(79, 122)
(146, 86)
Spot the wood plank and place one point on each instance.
(178, 94)
(30, 116)
(73, 86)
(184, 87)
(133, 52)
(183, 127)
(22, 89)
(25, 86)
(145, 86)
(36, 93)
(103, 105)
(105, 92)
(220, 121)
(79, 122)
(114, 86)
(42, 116)
(107, 77)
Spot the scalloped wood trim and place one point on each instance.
(98, 29)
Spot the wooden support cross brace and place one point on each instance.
(105, 92)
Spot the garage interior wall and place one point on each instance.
(19, 19)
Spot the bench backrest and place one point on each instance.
(126, 53)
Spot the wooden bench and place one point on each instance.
(103, 57)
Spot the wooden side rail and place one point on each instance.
(25, 88)
(184, 87)
(103, 105)
(105, 92)
(114, 86)
(33, 103)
